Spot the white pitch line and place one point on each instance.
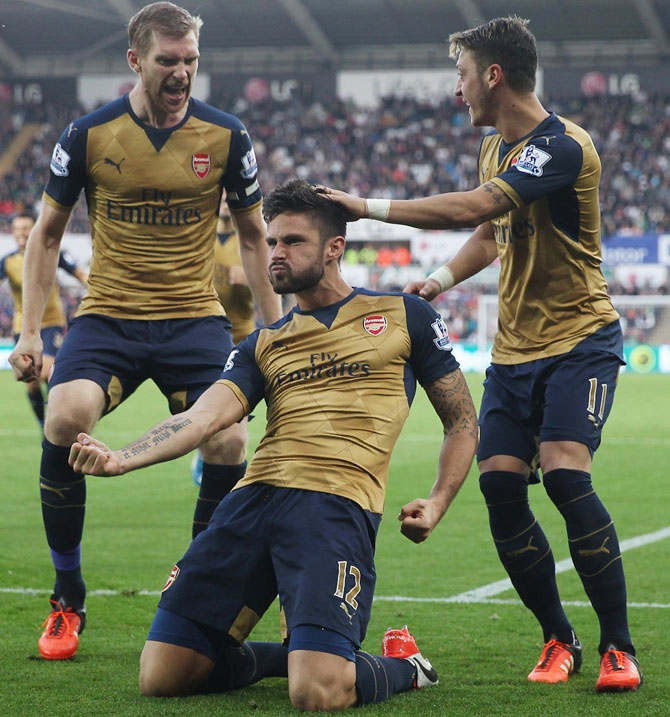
(501, 586)
(501, 601)
(483, 594)
(377, 598)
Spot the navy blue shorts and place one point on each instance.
(315, 550)
(182, 356)
(176, 629)
(561, 398)
(52, 339)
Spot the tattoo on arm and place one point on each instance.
(156, 435)
(499, 197)
(451, 399)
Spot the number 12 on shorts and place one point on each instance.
(350, 597)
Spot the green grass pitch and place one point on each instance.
(138, 525)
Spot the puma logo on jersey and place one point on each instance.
(527, 548)
(595, 551)
(346, 610)
(115, 164)
(594, 421)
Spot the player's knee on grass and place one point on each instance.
(319, 681)
(168, 670)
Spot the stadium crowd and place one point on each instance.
(401, 149)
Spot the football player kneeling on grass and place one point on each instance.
(338, 375)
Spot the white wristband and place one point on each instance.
(444, 277)
(378, 209)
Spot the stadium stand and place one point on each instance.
(403, 148)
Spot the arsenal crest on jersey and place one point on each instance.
(375, 324)
(202, 163)
(174, 574)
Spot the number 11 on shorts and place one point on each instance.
(593, 395)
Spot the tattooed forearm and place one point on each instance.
(451, 399)
(168, 429)
(134, 449)
(156, 435)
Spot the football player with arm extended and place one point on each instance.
(559, 346)
(154, 164)
(338, 374)
(54, 321)
(232, 288)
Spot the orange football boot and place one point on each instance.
(402, 645)
(60, 638)
(557, 662)
(619, 672)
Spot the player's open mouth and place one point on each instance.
(175, 94)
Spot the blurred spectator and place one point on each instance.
(403, 148)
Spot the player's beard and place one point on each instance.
(290, 283)
(159, 100)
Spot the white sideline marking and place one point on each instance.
(501, 601)
(377, 598)
(500, 586)
(483, 594)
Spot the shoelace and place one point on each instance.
(60, 618)
(549, 655)
(615, 660)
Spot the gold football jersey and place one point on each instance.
(153, 197)
(338, 383)
(552, 293)
(11, 268)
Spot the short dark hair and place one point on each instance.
(301, 197)
(504, 41)
(25, 214)
(165, 18)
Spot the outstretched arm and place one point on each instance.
(452, 402)
(476, 254)
(216, 409)
(454, 210)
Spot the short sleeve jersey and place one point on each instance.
(338, 383)
(153, 197)
(11, 268)
(237, 299)
(552, 293)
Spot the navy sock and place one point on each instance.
(378, 678)
(36, 400)
(594, 548)
(217, 482)
(69, 581)
(245, 664)
(524, 551)
(63, 494)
